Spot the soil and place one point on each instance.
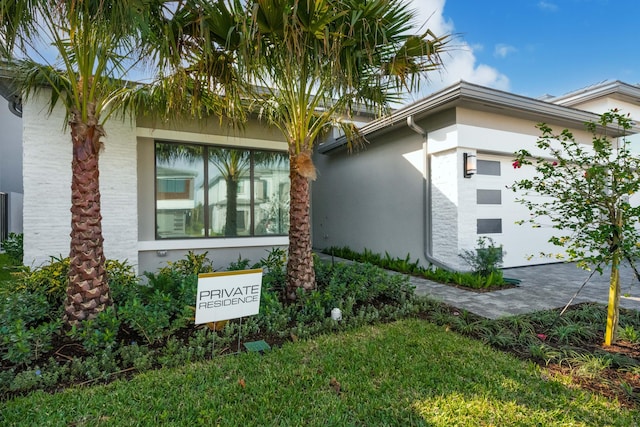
(612, 383)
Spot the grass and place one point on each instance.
(410, 372)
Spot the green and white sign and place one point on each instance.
(228, 295)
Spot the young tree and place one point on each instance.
(96, 44)
(587, 190)
(313, 63)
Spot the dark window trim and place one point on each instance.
(482, 172)
(205, 158)
(488, 190)
(497, 221)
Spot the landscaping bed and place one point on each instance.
(151, 326)
(484, 277)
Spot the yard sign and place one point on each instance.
(228, 295)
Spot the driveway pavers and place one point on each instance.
(542, 287)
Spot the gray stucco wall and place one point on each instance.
(10, 150)
(11, 164)
(371, 199)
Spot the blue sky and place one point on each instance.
(536, 47)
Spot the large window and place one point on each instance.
(207, 191)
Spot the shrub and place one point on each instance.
(14, 247)
(151, 318)
(97, 334)
(122, 279)
(136, 356)
(51, 279)
(240, 264)
(192, 263)
(27, 326)
(473, 280)
(486, 258)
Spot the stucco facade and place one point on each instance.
(153, 252)
(10, 160)
(405, 192)
(127, 185)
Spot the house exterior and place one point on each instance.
(165, 189)
(202, 185)
(11, 191)
(406, 191)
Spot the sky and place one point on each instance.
(534, 47)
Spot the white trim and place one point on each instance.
(186, 244)
(204, 138)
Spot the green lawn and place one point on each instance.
(405, 373)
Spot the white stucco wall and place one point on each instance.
(374, 199)
(602, 105)
(47, 186)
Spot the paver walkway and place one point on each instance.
(542, 287)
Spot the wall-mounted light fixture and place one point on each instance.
(469, 165)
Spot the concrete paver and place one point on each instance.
(542, 287)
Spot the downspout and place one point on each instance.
(15, 105)
(427, 201)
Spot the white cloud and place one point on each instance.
(545, 5)
(503, 50)
(460, 62)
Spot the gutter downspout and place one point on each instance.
(15, 105)
(427, 201)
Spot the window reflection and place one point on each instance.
(179, 200)
(247, 192)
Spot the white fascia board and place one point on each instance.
(614, 88)
(476, 97)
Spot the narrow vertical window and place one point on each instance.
(271, 193)
(229, 196)
(179, 195)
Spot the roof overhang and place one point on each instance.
(613, 89)
(479, 98)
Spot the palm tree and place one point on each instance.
(97, 43)
(314, 62)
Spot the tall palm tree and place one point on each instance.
(97, 43)
(314, 62)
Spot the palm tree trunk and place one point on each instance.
(88, 288)
(300, 271)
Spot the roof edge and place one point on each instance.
(471, 93)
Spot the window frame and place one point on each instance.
(206, 203)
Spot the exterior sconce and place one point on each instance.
(469, 165)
